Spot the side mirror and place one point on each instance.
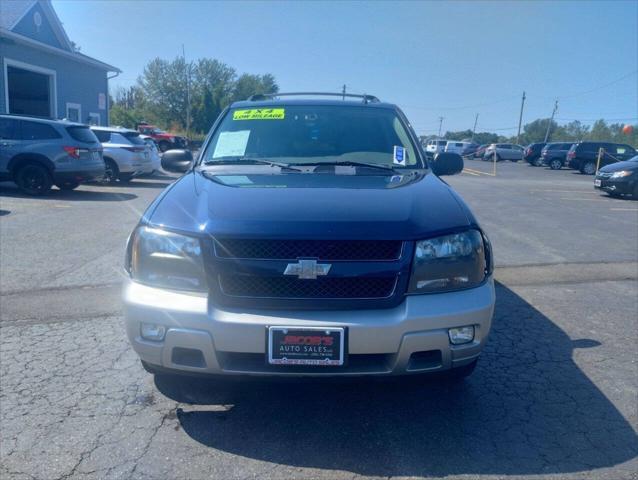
(447, 163)
(177, 161)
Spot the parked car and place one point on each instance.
(37, 153)
(554, 155)
(125, 153)
(583, 156)
(453, 146)
(470, 149)
(620, 178)
(480, 151)
(503, 151)
(433, 147)
(250, 264)
(156, 160)
(532, 154)
(164, 140)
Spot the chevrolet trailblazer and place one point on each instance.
(310, 237)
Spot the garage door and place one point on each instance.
(29, 92)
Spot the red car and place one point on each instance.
(164, 140)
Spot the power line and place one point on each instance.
(599, 87)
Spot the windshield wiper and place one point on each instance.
(349, 163)
(251, 161)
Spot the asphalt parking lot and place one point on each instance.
(554, 394)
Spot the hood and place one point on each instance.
(302, 206)
(618, 166)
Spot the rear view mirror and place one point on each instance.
(447, 163)
(177, 161)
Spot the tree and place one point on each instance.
(247, 85)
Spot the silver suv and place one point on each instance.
(37, 153)
(504, 151)
(125, 153)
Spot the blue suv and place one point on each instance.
(311, 237)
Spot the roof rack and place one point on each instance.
(263, 96)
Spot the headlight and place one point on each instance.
(622, 173)
(450, 262)
(165, 259)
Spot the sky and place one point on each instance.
(434, 59)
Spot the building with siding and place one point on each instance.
(43, 74)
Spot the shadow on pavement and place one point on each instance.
(78, 195)
(4, 212)
(527, 409)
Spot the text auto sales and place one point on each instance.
(307, 344)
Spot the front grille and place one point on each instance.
(604, 174)
(320, 249)
(321, 288)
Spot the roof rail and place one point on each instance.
(263, 96)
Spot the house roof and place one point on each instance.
(13, 11)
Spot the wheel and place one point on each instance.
(460, 373)
(538, 162)
(588, 168)
(68, 185)
(514, 160)
(555, 164)
(163, 146)
(496, 158)
(33, 179)
(111, 172)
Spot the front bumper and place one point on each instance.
(380, 342)
(621, 186)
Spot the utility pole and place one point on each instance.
(440, 125)
(520, 120)
(188, 94)
(549, 125)
(474, 129)
(343, 92)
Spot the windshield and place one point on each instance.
(309, 134)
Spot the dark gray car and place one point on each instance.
(37, 153)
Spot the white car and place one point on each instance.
(456, 147)
(156, 160)
(435, 146)
(125, 153)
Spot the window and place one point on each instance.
(8, 129)
(38, 131)
(74, 112)
(102, 135)
(94, 118)
(313, 134)
(134, 138)
(82, 134)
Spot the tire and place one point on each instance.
(68, 185)
(588, 168)
(460, 373)
(33, 179)
(496, 158)
(538, 162)
(111, 172)
(163, 146)
(555, 164)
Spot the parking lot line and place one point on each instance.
(465, 170)
(478, 172)
(624, 209)
(581, 199)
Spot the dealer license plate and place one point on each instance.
(597, 182)
(306, 346)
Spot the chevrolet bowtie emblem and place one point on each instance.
(307, 269)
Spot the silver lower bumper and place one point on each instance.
(380, 342)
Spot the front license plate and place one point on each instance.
(597, 183)
(306, 346)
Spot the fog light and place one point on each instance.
(461, 335)
(152, 332)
